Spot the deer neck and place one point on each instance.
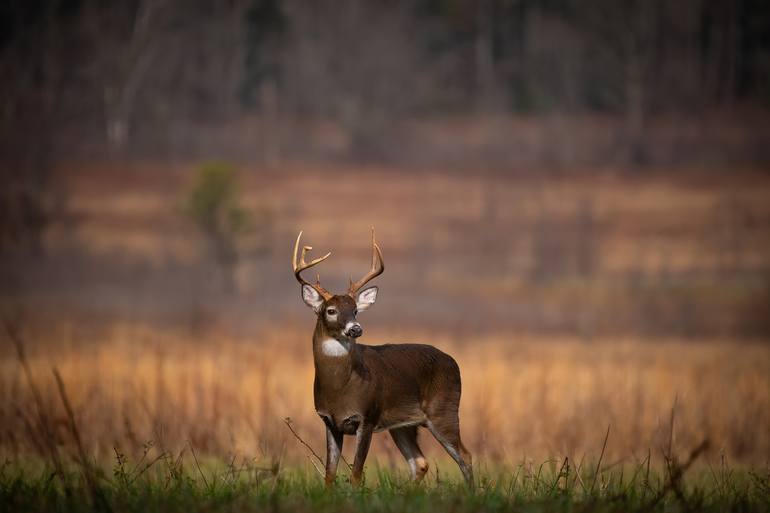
(333, 357)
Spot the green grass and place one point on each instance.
(167, 485)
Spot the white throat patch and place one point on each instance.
(333, 347)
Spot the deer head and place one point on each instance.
(338, 312)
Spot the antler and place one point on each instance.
(300, 265)
(378, 266)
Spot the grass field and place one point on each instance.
(524, 398)
(611, 335)
(138, 418)
(171, 485)
(591, 253)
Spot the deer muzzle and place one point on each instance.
(353, 330)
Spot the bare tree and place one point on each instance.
(29, 112)
(127, 43)
(625, 34)
(357, 63)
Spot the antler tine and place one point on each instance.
(378, 266)
(300, 265)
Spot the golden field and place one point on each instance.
(524, 399)
(572, 303)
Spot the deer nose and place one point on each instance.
(353, 329)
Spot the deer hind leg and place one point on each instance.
(406, 441)
(446, 429)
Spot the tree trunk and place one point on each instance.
(635, 112)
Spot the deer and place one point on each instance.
(364, 389)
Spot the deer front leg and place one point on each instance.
(363, 440)
(333, 452)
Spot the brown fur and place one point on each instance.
(397, 387)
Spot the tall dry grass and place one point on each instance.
(531, 398)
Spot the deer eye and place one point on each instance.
(331, 311)
(355, 312)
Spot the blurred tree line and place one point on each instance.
(144, 78)
(113, 71)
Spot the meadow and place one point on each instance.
(140, 418)
(172, 487)
(611, 336)
(572, 202)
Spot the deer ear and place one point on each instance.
(366, 298)
(311, 297)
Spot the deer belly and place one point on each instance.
(396, 420)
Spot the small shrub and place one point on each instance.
(213, 203)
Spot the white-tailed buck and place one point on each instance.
(361, 389)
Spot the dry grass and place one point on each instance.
(643, 220)
(149, 352)
(523, 399)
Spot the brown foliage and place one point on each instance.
(522, 398)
